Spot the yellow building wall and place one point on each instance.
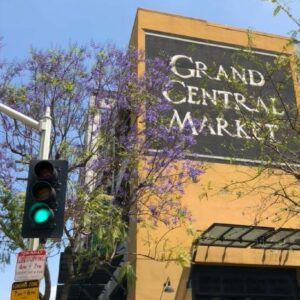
(208, 200)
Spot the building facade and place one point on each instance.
(235, 83)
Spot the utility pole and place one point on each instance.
(44, 127)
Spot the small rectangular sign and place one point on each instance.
(25, 290)
(30, 265)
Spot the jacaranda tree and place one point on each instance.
(125, 162)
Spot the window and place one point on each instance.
(243, 283)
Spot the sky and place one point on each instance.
(46, 24)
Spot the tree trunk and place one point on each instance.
(65, 290)
(67, 284)
(47, 282)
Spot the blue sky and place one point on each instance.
(44, 24)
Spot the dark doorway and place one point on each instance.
(243, 283)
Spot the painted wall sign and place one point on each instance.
(233, 100)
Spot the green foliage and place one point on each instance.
(180, 255)
(11, 209)
(126, 272)
(276, 10)
(284, 6)
(104, 224)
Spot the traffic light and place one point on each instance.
(45, 199)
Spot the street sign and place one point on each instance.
(25, 290)
(30, 265)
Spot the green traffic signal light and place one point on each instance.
(41, 213)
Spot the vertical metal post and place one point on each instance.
(45, 125)
(45, 131)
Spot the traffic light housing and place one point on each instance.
(45, 199)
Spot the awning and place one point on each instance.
(243, 236)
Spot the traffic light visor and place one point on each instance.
(44, 170)
(43, 191)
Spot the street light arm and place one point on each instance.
(20, 117)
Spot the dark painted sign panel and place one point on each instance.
(235, 101)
